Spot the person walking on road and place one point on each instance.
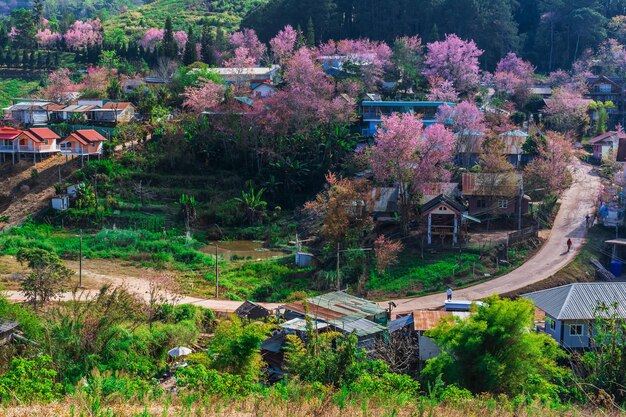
(569, 244)
(449, 293)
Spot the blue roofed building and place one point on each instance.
(372, 111)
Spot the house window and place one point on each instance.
(576, 330)
(481, 203)
(604, 88)
(502, 204)
(46, 142)
(550, 323)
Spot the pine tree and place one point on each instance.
(25, 59)
(190, 56)
(208, 56)
(37, 12)
(434, 33)
(32, 61)
(170, 49)
(310, 32)
(39, 60)
(301, 39)
(220, 39)
(56, 60)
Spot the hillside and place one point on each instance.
(224, 13)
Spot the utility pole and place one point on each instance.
(80, 261)
(217, 275)
(338, 283)
(519, 206)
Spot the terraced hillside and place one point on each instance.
(223, 13)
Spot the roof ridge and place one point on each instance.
(569, 295)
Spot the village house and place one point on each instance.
(494, 194)
(262, 90)
(607, 144)
(252, 75)
(28, 112)
(471, 146)
(372, 111)
(73, 113)
(425, 320)
(571, 310)
(335, 311)
(445, 218)
(604, 89)
(82, 142)
(513, 142)
(114, 112)
(29, 143)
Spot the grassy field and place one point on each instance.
(14, 87)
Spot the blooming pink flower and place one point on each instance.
(150, 38)
(248, 39)
(82, 34)
(207, 96)
(455, 60)
(47, 38)
(284, 43)
(180, 36)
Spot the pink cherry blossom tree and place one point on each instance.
(180, 37)
(59, 87)
(47, 39)
(468, 124)
(249, 40)
(442, 90)
(566, 111)
(241, 59)
(96, 80)
(82, 34)
(151, 38)
(409, 157)
(550, 167)
(284, 43)
(371, 57)
(456, 60)
(204, 97)
(513, 76)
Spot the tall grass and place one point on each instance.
(151, 248)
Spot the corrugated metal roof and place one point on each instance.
(428, 320)
(580, 301)
(299, 324)
(360, 327)
(346, 304)
(492, 184)
(7, 325)
(400, 323)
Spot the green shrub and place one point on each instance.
(30, 381)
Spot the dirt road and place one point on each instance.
(577, 202)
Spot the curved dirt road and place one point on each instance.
(578, 201)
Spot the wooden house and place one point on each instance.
(493, 194)
(446, 218)
(607, 144)
(252, 311)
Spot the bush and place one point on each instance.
(30, 381)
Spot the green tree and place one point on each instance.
(603, 367)
(22, 20)
(189, 55)
(47, 277)
(235, 347)
(495, 350)
(310, 32)
(37, 6)
(168, 45)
